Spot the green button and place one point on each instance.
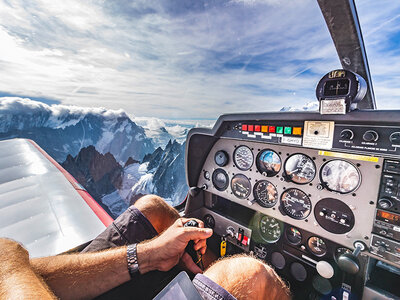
(279, 129)
(288, 130)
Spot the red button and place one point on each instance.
(257, 128)
(245, 240)
(244, 127)
(271, 128)
(239, 236)
(250, 127)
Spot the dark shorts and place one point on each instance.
(133, 227)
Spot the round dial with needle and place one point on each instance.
(296, 204)
(243, 158)
(241, 186)
(317, 246)
(270, 229)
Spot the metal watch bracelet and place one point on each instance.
(131, 255)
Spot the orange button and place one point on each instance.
(264, 128)
(297, 130)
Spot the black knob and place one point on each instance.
(370, 136)
(395, 138)
(221, 158)
(191, 223)
(349, 263)
(385, 203)
(347, 134)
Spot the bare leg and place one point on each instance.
(160, 214)
(248, 278)
(17, 278)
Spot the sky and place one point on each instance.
(184, 59)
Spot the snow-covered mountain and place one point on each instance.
(164, 174)
(115, 188)
(309, 106)
(63, 130)
(100, 174)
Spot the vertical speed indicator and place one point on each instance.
(296, 204)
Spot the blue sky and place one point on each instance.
(183, 59)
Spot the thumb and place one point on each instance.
(195, 233)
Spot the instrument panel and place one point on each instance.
(327, 193)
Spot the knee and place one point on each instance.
(248, 278)
(160, 214)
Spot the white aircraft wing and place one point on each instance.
(41, 205)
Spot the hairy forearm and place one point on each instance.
(23, 284)
(83, 275)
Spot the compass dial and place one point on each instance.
(265, 193)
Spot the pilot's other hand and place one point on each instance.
(168, 249)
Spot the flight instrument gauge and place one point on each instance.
(293, 235)
(220, 179)
(270, 229)
(317, 246)
(296, 204)
(340, 176)
(221, 158)
(300, 168)
(243, 158)
(265, 193)
(241, 186)
(268, 162)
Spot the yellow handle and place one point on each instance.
(223, 248)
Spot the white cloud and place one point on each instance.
(56, 115)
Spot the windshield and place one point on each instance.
(110, 88)
(380, 22)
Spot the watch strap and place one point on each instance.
(131, 255)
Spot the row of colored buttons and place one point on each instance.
(272, 129)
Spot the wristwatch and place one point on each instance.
(131, 255)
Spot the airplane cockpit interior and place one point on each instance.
(313, 194)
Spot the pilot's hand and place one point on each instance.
(165, 251)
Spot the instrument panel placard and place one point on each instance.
(318, 134)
